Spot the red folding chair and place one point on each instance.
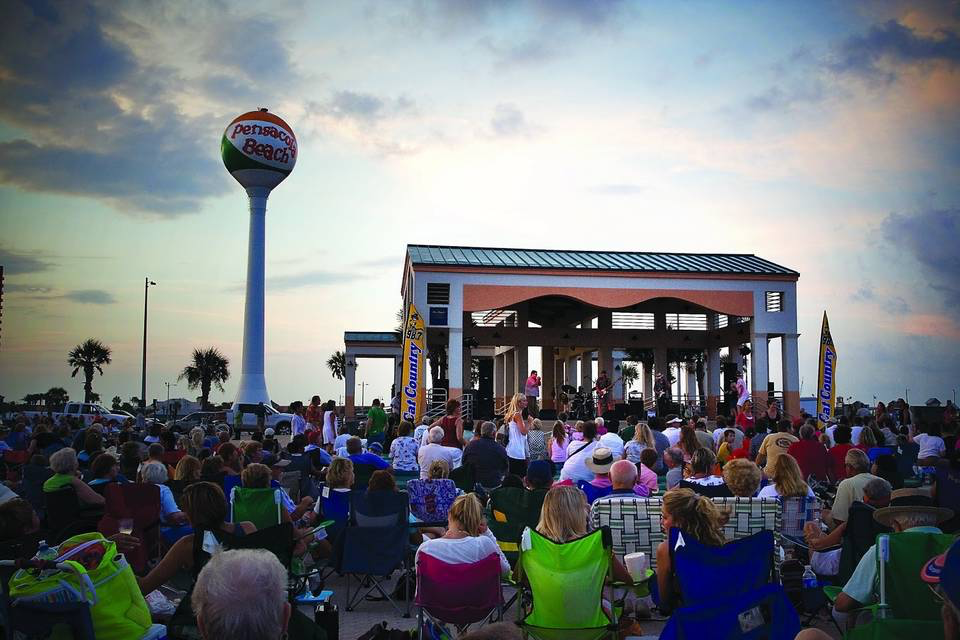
(14, 461)
(140, 503)
(457, 594)
(173, 457)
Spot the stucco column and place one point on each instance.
(570, 371)
(455, 362)
(349, 388)
(548, 377)
(711, 379)
(618, 388)
(790, 358)
(586, 370)
(647, 383)
(521, 367)
(691, 389)
(499, 366)
(510, 379)
(759, 370)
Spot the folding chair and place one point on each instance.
(748, 516)
(361, 475)
(229, 482)
(430, 500)
(259, 506)
(795, 513)
(140, 503)
(290, 481)
(907, 608)
(66, 515)
(510, 510)
(634, 525)
(374, 544)
(713, 606)
(457, 594)
(41, 620)
(565, 587)
(464, 477)
(593, 492)
(31, 487)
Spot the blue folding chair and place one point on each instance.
(713, 605)
(593, 492)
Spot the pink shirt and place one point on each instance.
(558, 451)
(647, 478)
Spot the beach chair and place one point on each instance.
(565, 594)
(714, 606)
(907, 609)
(510, 510)
(430, 500)
(259, 506)
(634, 525)
(361, 475)
(31, 487)
(374, 545)
(457, 594)
(140, 503)
(748, 516)
(795, 512)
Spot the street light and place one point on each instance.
(147, 283)
(168, 395)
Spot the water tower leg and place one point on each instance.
(253, 384)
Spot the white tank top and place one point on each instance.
(517, 445)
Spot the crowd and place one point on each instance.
(862, 462)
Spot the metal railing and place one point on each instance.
(437, 404)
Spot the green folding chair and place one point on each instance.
(259, 506)
(565, 583)
(510, 510)
(907, 608)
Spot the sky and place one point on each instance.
(823, 136)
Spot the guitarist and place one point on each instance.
(603, 388)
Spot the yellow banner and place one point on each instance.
(414, 362)
(827, 380)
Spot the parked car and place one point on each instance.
(280, 422)
(199, 419)
(88, 412)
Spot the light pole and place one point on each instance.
(363, 388)
(143, 372)
(168, 395)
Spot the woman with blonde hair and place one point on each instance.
(339, 474)
(787, 480)
(642, 439)
(467, 539)
(516, 419)
(188, 470)
(195, 443)
(698, 517)
(439, 470)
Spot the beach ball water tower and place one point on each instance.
(259, 150)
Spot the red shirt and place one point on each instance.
(745, 421)
(839, 452)
(813, 458)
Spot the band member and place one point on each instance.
(604, 388)
(661, 389)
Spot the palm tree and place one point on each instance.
(208, 367)
(337, 363)
(117, 403)
(88, 356)
(57, 397)
(629, 372)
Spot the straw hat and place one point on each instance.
(601, 461)
(910, 501)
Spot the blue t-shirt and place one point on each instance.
(369, 458)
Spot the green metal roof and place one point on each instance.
(635, 261)
(371, 336)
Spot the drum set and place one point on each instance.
(581, 404)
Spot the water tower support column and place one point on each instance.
(253, 384)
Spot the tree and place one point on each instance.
(208, 367)
(117, 403)
(33, 398)
(337, 363)
(57, 397)
(88, 357)
(94, 396)
(629, 372)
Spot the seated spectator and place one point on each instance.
(252, 452)
(259, 476)
(195, 443)
(537, 441)
(857, 470)
(885, 466)
(206, 510)
(697, 516)
(467, 539)
(211, 470)
(932, 446)
(153, 434)
(130, 459)
(436, 451)
(103, 470)
(611, 440)
(838, 452)
(17, 519)
(742, 477)
(702, 479)
(538, 475)
(600, 463)
(63, 463)
(155, 454)
(642, 439)
(787, 480)
(688, 443)
(558, 442)
(673, 460)
(867, 440)
(168, 439)
(575, 468)
(775, 445)
(188, 470)
(811, 455)
(647, 476)
(672, 430)
(171, 516)
(42, 439)
(719, 434)
(358, 456)
(403, 450)
(221, 599)
(232, 460)
(623, 477)
(16, 438)
(488, 459)
(727, 447)
(92, 447)
(270, 443)
(861, 589)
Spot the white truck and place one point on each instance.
(279, 422)
(86, 411)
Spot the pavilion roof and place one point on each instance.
(630, 261)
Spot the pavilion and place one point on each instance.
(581, 306)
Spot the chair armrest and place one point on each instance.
(832, 592)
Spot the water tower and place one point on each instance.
(259, 150)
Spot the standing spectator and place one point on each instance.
(299, 423)
(811, 455)
(376, 422)
(403, 450)
(532, 391)
(516, 420)
(726, 448)
(314, 413)
(452, 425)
(720, 431)
(774, 445)
(329, 423)
(838, 452)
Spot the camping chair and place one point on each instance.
(796, 512)
(374, 544)
(290, 481)
(860, 534)
(464, 477)
(748, 516)
(634, 525)
(565, 587)
(259, 506)
(229, 482)
(593, 492)
(907, 608)
(713, 606)
(140, 503)
(510, 510)
(430, 500)
(457, 594)
(361, 475)
(66, 516)
(40, 620)
(31, 487)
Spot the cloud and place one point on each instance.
(302, 280)
(378, 263)
(451, 15)
(90, 296)
(365, 107)
(509, 55)
(509, 122)
(27, 288)
(16, 263)
(896, 43)
(864, 294)
(776, 98)
(929, 238)
(87, 116)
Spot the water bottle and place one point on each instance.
(809, 578)
(810, 592)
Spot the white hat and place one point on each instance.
(268, 433)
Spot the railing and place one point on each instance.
(466, 406)
(500, 406)
(494, 318)
(437, 404)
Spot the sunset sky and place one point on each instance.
(822, 136)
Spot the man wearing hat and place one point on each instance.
(943, 572)
(911, 511)
(673, 430)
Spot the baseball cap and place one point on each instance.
(538, 472)
(268, 433)
(944, 570)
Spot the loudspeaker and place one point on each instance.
(548, 414)
(619, 412)
(636, 408)
(729, 370)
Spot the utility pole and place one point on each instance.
(143, 371)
